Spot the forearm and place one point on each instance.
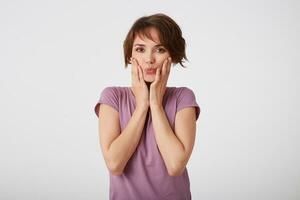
(170, 147)
(122, 148)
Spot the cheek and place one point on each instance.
(163, 57)
(137, 56)
(161, 60)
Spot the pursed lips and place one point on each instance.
(150, 71)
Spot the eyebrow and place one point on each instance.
(144, 45)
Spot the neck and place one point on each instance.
(148, 84)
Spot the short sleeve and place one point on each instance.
(109, 96)
(186, 98)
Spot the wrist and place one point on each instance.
(142, 108)
(156, 107)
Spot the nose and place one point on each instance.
(149, 59)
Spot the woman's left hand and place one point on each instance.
(158, 87)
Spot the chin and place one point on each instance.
(149, 81)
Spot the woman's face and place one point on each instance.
(149, 54)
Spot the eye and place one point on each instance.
(139, 49)
(161, 50)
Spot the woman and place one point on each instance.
(147, 131)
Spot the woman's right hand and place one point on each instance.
(139, 87)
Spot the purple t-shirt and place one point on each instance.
(145, 176)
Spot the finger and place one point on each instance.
(140, 74)
(157, 75)
(164, 67)
(169, 66)
(132, 66)
(163, 70)
(138, 71)
(135, 73)
(166, 71)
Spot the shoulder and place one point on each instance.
(184, 89)
(110, 89)
(119, 93)
(110, 96)
(113, 90)
(181, 91)
(187, 98)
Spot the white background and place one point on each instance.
(57, 56)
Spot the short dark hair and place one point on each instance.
(170, 36)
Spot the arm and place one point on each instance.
(175, 148)
(118, 148)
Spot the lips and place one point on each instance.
(151, 71)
